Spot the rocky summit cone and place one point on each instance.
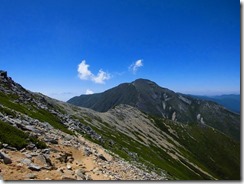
(142, 132)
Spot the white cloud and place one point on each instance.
(85, 74)
(83, 71)
(89, 92)
(101, 77)
(134, 66)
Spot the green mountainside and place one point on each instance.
(152, 99)
(194, 149)
(231, 102)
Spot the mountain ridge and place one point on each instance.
(152, 99)
(128, 144)
(230, 101)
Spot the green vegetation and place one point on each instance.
(39, 144)
(154, 158)
(7, 112)
(208, 148)
(45, 116)
(12, 136)
(32, 111)
(17, 138)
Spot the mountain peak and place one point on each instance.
(143, 81)
(154, 100)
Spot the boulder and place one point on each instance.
(26, 161)
(41, 160)
(6, 159)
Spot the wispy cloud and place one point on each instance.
(89, 92)
(85, 74)
(134, 66)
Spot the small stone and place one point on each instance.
(26, 161)
(7, 160)
(22, 150)
(102, 157)
(34, 167)
(30, 146)
(5, 145)
(11, 148)
(28, 155)
(69, 167)
(31, 176)
(46, 151)
(111, 177)
(1, 155)
(64, 177)
(88, 177)
(60, 170)
(87, 152)
(80, 173)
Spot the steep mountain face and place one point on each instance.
(40, 134)
(152, 99)
(231, 102)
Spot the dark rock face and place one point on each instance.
(3, 74)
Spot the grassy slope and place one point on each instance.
(32, 111)
(17, 138)
(213, 152)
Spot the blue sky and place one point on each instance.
(64, 48)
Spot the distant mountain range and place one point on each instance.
(231, 101)
(152, 99)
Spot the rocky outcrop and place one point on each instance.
(3, 74)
